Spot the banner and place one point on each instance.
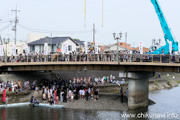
(4, 95)
(66, 48)
(26, 48)
(1, 50)
(45, 48)
(85, 47)
(96, 47)
(14, 50)
(55, 96)
(141, 48)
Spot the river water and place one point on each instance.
(167, 107)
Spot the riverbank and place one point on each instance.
(109, 98)
(105, 102)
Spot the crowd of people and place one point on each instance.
(83, 88)
(69, 90)
(11, 86)
(123, 56)
(72, 56)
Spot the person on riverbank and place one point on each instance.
(49, 95)
(72, 97)
(127, 94)
(159, 76)
(36, 101)
(121, 94)
(32, 99)
(65, 96)
(61, 95)
(10, 86)
(87, 94)
(83, 94)
(80, 93)
(43, 96)
(96, 94)
(92, 93)
(37, 89)
(51, 102)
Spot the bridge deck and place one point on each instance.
(115, 66)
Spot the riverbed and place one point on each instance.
(167, 105)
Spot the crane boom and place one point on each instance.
(171, 44)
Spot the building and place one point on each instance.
(55, 44)
(34, 36)
(121, 47)
(80, 45)
(144, 49)
(19, 47)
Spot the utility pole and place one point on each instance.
(15, 26)
(94, 32)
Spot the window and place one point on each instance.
(32, 48)
(77, 49)
(69, 47)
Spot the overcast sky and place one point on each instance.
(136, 17)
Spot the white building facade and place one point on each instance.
(55, 44)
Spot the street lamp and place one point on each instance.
(6, 41)
(116, 37)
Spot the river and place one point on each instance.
(167, 107)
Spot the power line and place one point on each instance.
(54, 32)
(5, 21)
(7, 26)
(6, 16)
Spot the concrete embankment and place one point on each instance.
(20, 97)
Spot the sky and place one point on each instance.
(136, 17)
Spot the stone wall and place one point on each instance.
(23, 76)
(70, 74)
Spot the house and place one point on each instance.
(80, 46)
(55, 44)
(121, 47)
(144, 49)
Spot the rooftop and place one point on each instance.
(53, 40)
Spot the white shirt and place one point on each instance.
(89, 90)
(83, 93)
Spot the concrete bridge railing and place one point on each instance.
(93, 58)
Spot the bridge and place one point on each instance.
(126, 62)
(137, 68)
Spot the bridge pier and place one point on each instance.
(138, 89)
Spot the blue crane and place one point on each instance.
(171, 44)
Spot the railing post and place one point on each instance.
(151, 58)
(98, 57)
(75, 57)
(57, 57)
(68, 57)
(169, 58)
(160, 59)
(177, 58)
(141, 57)
(87, 57)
